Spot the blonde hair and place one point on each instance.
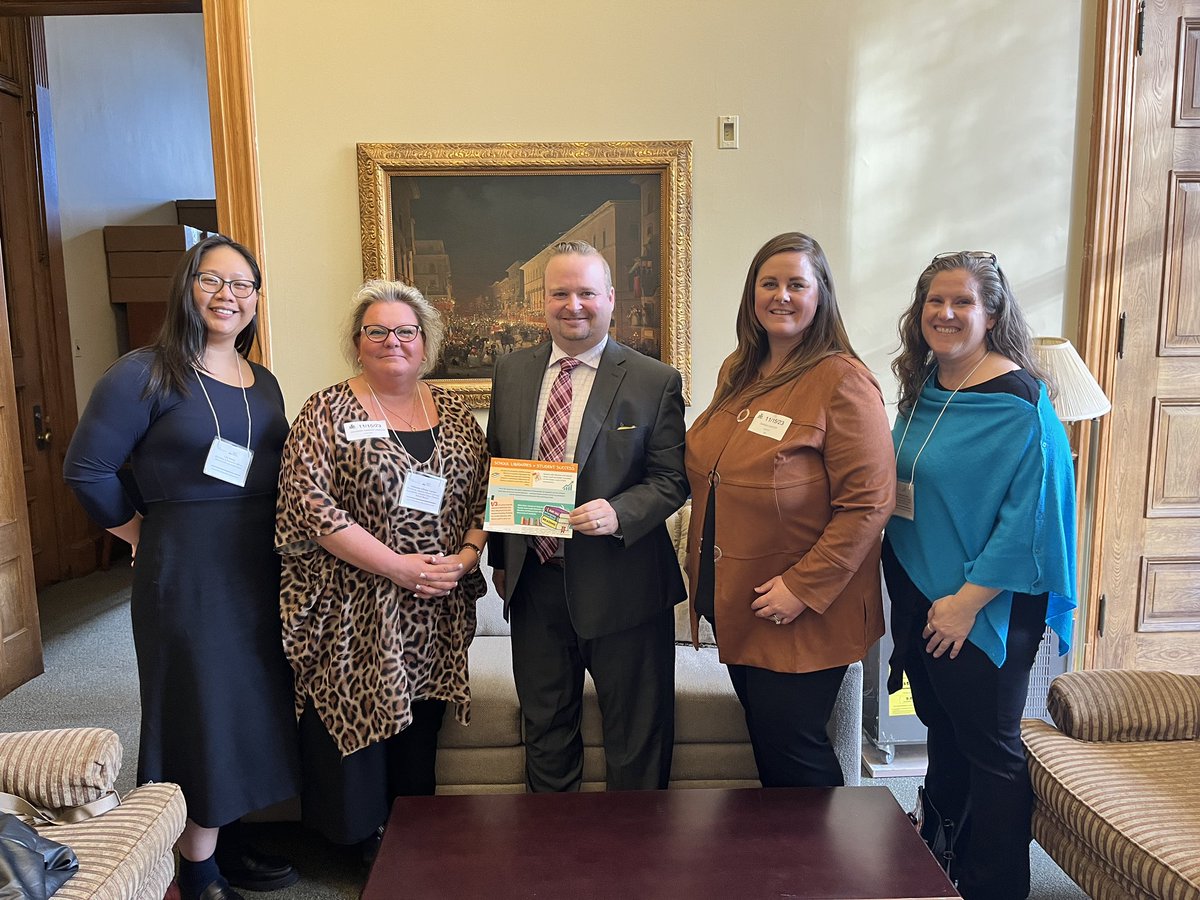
(433, 330)
(582, 248)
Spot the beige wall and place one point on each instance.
(888, 130)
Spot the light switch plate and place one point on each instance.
(727, 132)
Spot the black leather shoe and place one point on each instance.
(254, 870)
(219, 890)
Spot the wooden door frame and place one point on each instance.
(1103, 260)
(235, 137)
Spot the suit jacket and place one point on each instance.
(612, 583)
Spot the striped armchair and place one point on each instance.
(1117, 784)
(125, 853)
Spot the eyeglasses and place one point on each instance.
(969, 254)
(212, 284)
(406, 334)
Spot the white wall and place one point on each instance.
(889, 131)
(129, 103)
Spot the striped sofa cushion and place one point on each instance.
(1134, 805)
(1123, 705)
(157, 881)
(61, 767)
(1096, 875)
(126, 852)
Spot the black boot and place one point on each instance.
(939, 833)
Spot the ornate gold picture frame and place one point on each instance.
(469, 226)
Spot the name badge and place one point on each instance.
(906, 501)
(360, 431)
(228, 462)
(423, 492)
(770, 424)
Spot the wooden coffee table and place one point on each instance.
(851, 843)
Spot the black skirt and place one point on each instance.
(217, 704)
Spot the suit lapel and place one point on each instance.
(609, 375)
(529, 386)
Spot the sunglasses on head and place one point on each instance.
(969, 254)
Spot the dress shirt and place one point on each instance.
(582, 377)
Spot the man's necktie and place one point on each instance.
(553, 442)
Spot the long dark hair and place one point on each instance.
(181, 341)
(741, 374)
(1009, 335)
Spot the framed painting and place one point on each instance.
(471, 226)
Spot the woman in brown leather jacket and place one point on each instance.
(792, 478)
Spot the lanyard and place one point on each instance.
(913, 474)
(437, 448)
(212, 409)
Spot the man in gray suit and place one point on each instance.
(602, 600)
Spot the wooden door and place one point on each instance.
(63, 541)
(1149, 567)
(32, 406)
(20, 636)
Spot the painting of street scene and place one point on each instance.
(477, 245)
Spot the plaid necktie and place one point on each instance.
(553, 442)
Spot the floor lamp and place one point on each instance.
(1079, 399)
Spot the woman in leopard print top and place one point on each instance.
(381, 499)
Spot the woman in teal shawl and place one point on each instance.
(979, 558)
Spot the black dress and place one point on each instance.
(216, 690)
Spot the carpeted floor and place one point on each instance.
(91, 679)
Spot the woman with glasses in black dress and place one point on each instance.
(203, 428)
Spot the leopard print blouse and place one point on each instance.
(362, 648)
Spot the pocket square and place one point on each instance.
(626, 427)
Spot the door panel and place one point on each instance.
(1150, 563)
(30, 388)
(20, 637)
(64, 542)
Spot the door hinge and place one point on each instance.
(1140, 38)
(1101, 610)
(1121, 336)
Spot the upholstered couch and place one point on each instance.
(125, 853)
(1117, 783)
(712, 748)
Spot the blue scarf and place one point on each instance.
(995, 506)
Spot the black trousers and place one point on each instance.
(978, 776)
(347, 798)
(634, 674)
(786, 715)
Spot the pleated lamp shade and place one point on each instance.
(1079, 395)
